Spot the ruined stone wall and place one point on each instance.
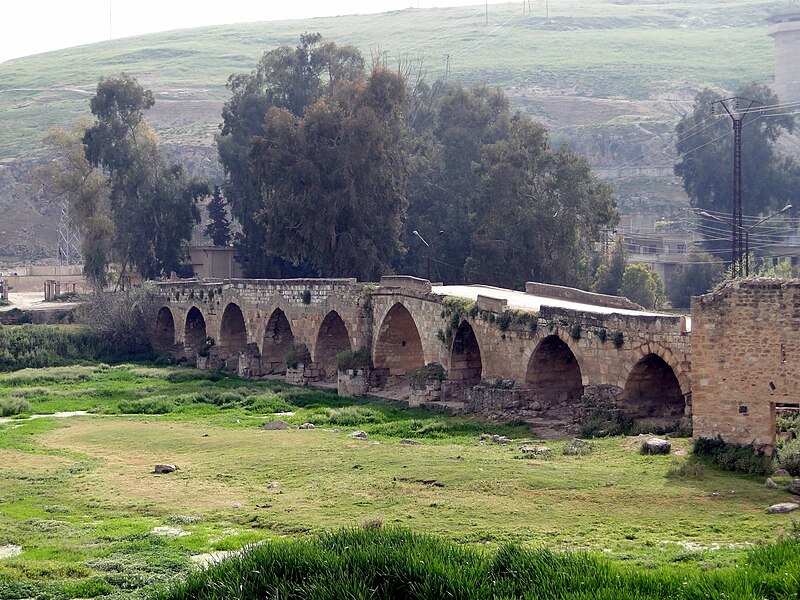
(745, 359)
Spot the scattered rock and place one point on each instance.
(263, 505)
(307, 426)
(169, 531)
(362, 435)
(770, 484)
(500, 439)
(273, 485)
(10, 551)
(656, 446)
(336, 431)
(531, 451)
(783, 507)
(236, 505)
(165, 469)
(206, 560)
(794, 487)
(275, 425)
(781, 473)
(432, 482)
(410, 442)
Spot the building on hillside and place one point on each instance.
(785, 30)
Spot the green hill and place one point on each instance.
(620, 49)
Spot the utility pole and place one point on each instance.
(737, 111)
(446, 65)
(487, 12)
(428, 246)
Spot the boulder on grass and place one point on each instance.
(794, 487)
(656, 446)
(275, 425)
(361, 435)
(165, 469)
(307, 426)
(783, 507)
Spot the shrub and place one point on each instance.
(306, 296)
(732, 457)
(353, 415)
(36, 346)
(601, 335)
(430, 371)
(122, 319)
(146, 406)
(575, 331)
(577, 447)
(503, 320)
(789, 457)
(603, 423)
(692, 469)
(297, 355)
(14, 406)
(619, 339)
(353, 360)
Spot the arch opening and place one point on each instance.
(194, 332)
(164, 331)
(332, 339)
(555, 377)
(652, 393)
(232, 336)
(465, 358)
(398, 349)
(278, 340)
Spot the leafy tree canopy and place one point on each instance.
(641, 285)
(696, 277)
(152, 204)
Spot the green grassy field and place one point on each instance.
(597, 48)
(79, 497)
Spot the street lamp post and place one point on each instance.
(746, 231)
(428, 246)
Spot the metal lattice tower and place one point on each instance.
(68, 242)
(737, 109)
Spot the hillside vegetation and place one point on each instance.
(618, 49)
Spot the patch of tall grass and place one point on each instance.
(10, 407)
(35, 346)
(394, 563)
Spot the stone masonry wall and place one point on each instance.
(504, 348)
(745, 359)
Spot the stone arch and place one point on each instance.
(465, 357)
(653, 392)
(332, 338)
(398, 349)
(554, 375)
(164, 331)
(278, 340)
(194, 331)
(232, 335)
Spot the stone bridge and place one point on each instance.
(548, 355)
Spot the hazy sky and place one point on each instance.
(33, 26)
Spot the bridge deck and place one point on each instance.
(525, 301)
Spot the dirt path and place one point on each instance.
(33, 301)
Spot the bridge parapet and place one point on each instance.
(558, 292)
